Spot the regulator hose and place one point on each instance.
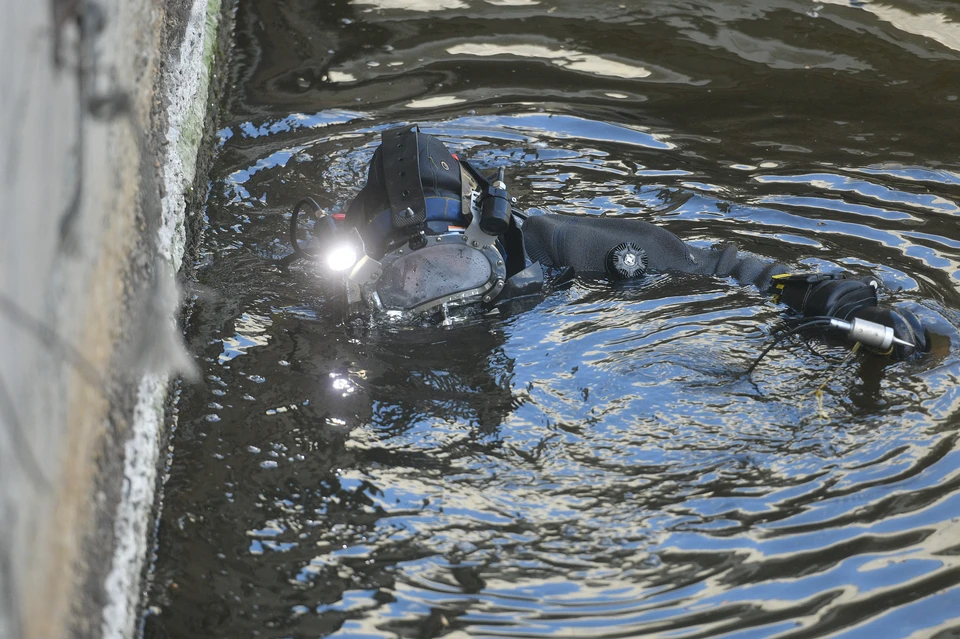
(298, 252)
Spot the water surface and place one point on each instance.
(596, 466)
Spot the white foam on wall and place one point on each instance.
(141, 453)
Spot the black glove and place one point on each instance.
(837, 295)
(825, 295)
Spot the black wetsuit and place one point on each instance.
(583, 242)
(416, 186)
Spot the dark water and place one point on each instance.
(594, 467)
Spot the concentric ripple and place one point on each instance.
(598, 465)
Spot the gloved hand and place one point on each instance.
(836, 295)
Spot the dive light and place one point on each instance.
(337, 250)
(341, 257)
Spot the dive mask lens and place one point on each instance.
(446, 272)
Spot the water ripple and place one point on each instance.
(597, 466)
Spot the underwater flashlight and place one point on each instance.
(869, 333)
(341, 257)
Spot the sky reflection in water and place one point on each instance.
(596, 465)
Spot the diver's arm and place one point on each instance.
(585, 244)
(845, 298)
(728, 261)
(822, 296)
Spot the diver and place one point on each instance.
(430, 235)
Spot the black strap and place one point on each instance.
(401, 168)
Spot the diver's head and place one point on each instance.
(426, 232)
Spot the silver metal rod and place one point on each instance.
(869, 333)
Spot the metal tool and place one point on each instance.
(870, 334)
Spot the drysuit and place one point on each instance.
(442, 234)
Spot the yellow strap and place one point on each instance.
(779, 286)
(819, 392)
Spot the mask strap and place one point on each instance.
(401, 167)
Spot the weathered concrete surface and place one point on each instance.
(102, 112)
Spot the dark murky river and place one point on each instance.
(594, 467)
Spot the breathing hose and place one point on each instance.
(298, 252)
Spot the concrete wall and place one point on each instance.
(103, 105)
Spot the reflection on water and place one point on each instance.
(595, 466)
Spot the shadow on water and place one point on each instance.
(596, 465)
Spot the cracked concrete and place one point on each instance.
(105, 109)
